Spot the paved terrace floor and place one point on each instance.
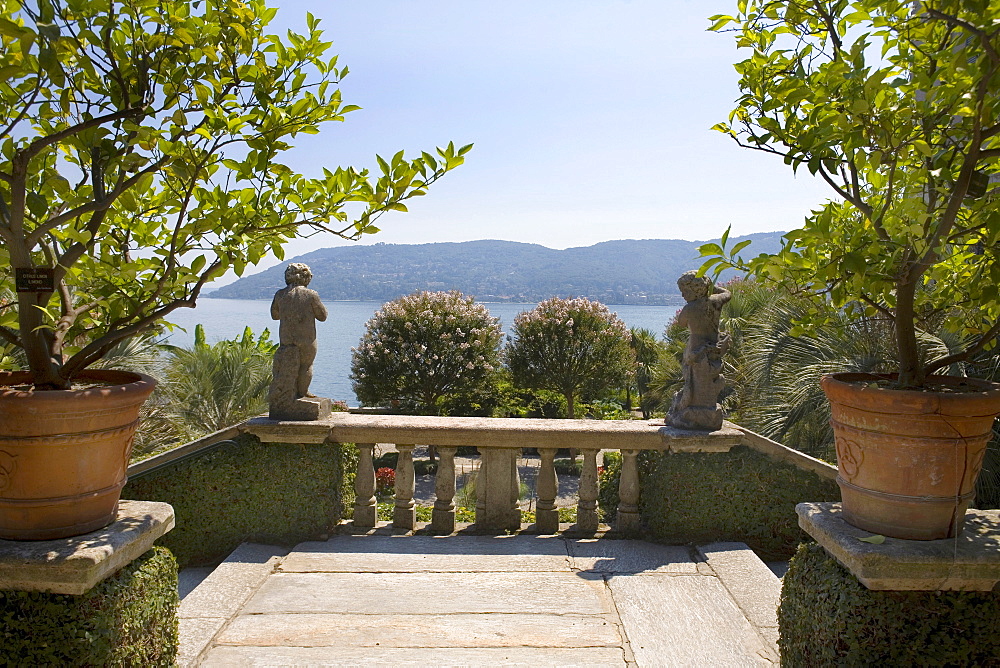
(380, 600)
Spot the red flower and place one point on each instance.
(385, 480)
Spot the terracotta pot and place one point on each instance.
(63, 453)
(907, 459)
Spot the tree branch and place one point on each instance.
(878, 307)
(93, 206)
(98, 347)
(990, 334)
(36, 146)
(984, 37)
(10, 337)
(859, 203)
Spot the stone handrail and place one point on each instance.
(185, 451)
(499, 441)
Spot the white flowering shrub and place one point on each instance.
(422, 348)
(573, 346)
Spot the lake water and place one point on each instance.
(226, 319)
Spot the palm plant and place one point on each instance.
(210, 387)
(646, 350)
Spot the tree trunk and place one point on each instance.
(570, 406)
(38, 341)
(911, 373)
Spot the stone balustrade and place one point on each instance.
(499, 441)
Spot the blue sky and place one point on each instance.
(591, 120)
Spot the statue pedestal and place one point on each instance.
(697, 418)
(299, 410)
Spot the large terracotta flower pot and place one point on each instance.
(63, 453)
(907, 459)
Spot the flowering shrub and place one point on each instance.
(423, 347)
(573, 346)
(385, 481)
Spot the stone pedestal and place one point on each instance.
(970, 562)
(300, 410)
(497, 488)
(74, 565)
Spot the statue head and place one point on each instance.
(298, 274)
(693, 286)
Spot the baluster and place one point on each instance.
(482, 476)
(443, 519)
(514, 509)
(628, 493)
(404, 515)
(586, 511)
(547, 485)
(365, 511)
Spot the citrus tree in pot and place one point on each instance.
(139, 160)
(896, 105)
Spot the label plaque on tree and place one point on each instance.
(34, 279)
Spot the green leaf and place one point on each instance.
(874, 540)
(36, 204)
(740, 246)
(710, 249)
(855, 263)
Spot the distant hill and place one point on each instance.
(614, 272)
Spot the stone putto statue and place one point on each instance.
(696, 405)
(297, 308)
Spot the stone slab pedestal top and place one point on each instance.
(305, 409)
(970, 562)
(74, 565)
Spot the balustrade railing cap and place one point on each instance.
(496, 432)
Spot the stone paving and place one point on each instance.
(381, 600)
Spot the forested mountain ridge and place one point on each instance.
(614, 272)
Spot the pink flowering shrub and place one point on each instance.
(419, 349)
(573, 346)
(385, 481)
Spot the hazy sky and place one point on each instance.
(591, 120)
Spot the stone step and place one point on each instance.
(481, 600)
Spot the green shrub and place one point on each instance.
(424, 467)
(246, 490)
(129, 619)
(567, 515)
(349, 469)
(740, 495)
(828, 618)
(385, 510)
(607, 409)
(387, 460)
(420, 349)
(576, 347)
(567, 466)
(607, 482)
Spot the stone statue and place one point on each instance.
(696, 405)
(297, 308)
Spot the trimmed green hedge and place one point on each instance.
(129, 619)
(740, 495)
(828, 618)
(245, 490)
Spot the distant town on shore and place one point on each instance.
(614, 272)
